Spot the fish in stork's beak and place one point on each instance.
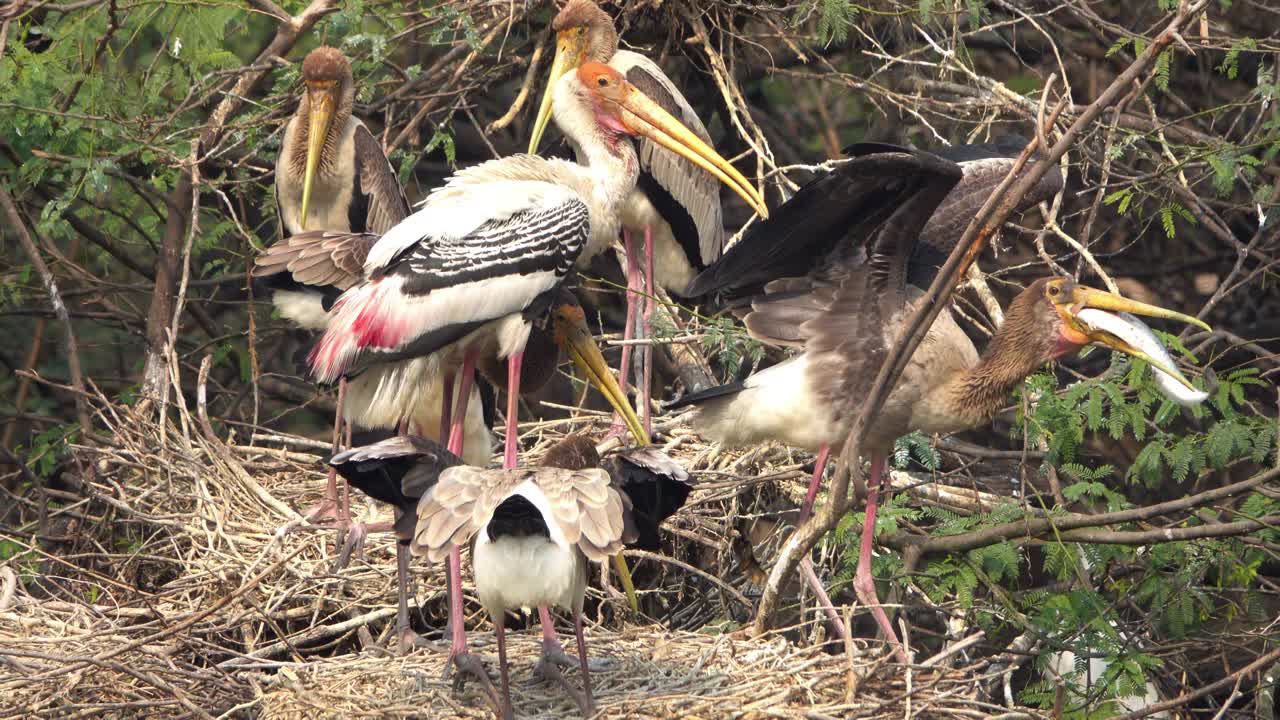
(323, 100)
(570, 330)
(571, 52)
(1102, 318)
(621, 107)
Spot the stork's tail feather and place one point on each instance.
(367, 317)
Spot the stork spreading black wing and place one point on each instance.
(397, 471)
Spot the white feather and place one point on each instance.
(381, 396)
(778, 403)
(303, 308)
(526, 572)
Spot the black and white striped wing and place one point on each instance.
(687, 196)
(451, 267)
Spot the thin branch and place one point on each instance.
(55, 299)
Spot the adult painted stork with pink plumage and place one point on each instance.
(837, 272)
(675, 205)
(488, 252)
(336, 193)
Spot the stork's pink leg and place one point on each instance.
(863, 584)
(464, 394)
(446, 407)
(553, 657)
(582, 663)
(329, 507)
(513, 410)
(459, 655)
(629, 329)
(819, 467)
(646, 326)
(806, 563)
(499, 629)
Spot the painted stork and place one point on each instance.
(333, 179)
(532, 532)
(309, 271)
(840, 271)
(675, 206)
(488, 252)
(367, 468)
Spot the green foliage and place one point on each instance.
(1121, 198)
(48, 447)
(728, 342)
(835, 17)
(1231, 63)
(1167, 214)
(926, 9)
(1163, 69)
(915, 445)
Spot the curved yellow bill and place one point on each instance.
(645, 117)
(571, 332)
(1086, 297)
(321, 116)
(571, 51)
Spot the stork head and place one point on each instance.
(1049, 320)
(616, 108)
(584, 33)
(326, 72)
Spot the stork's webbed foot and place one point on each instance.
(548, 669)
(468, 664)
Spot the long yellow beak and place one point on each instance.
(570, 53)
(1086, 297)
(645, 117)
(571, 333)
(1083, 297)
(321, 117)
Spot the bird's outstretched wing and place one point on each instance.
(654, 486)
(377, 200)
(318, 258)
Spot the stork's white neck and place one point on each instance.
(608, 160)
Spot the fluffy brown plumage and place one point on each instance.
(602, 38)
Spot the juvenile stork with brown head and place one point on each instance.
(336, 193)
(675, 206)
(488, 253)
(837, 273)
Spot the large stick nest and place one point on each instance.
(211, 596)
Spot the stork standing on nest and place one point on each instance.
(675, 206)
(488, 252)
(532, 532)
(336, 193)
(839, 282)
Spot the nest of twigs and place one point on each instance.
(184, 582)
